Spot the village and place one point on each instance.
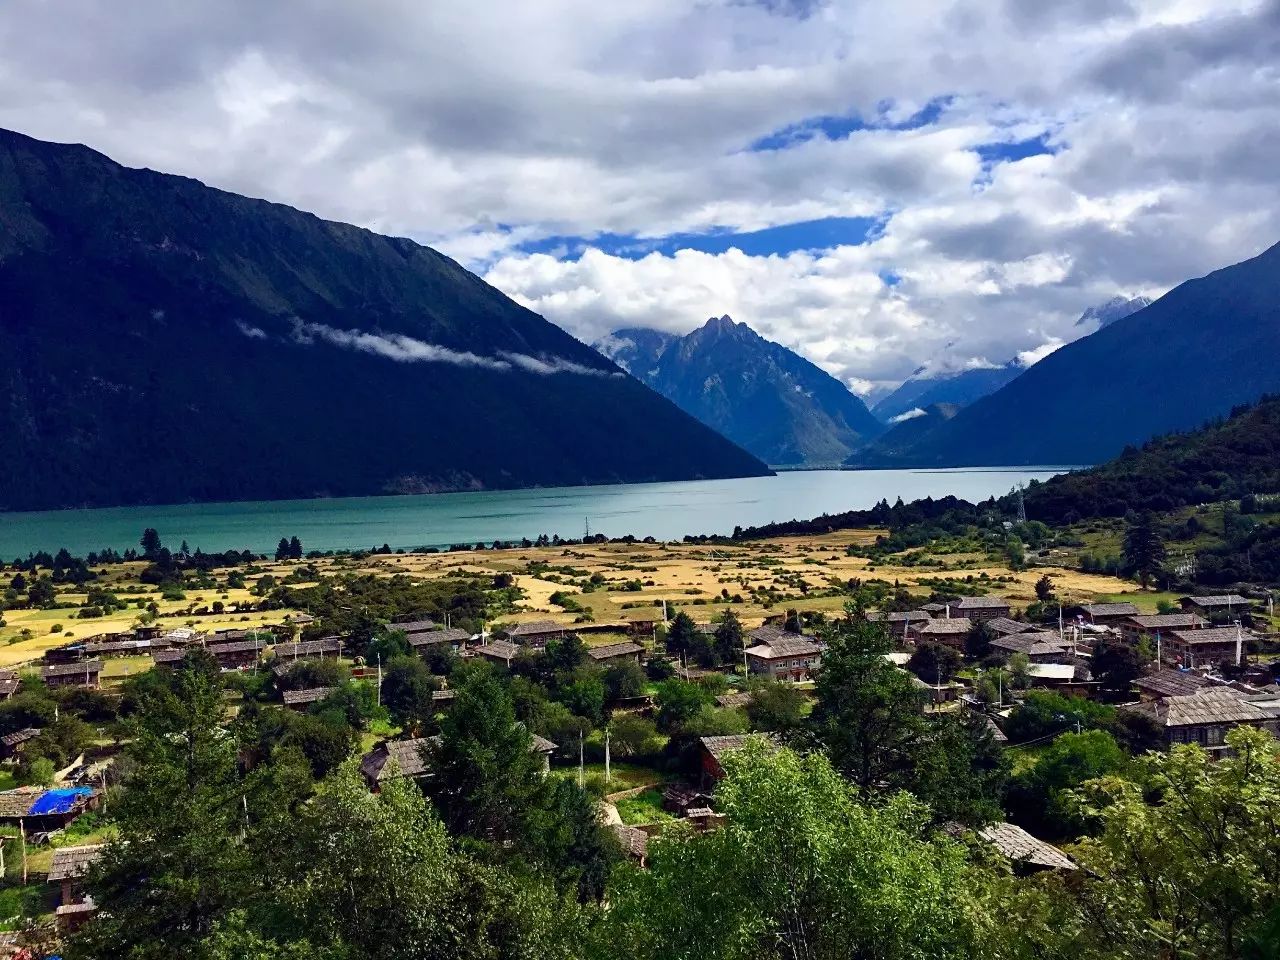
(744, 628)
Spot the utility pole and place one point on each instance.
(379, 678)
(582, 780)
(606, 754)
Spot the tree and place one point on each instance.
(934, 662)
(678, 701)
(485, 776)
(1144, 551)
(150, 543)
(633, 735)
(282, 549)
(1040, 797)
(407, 686)
(1044, 590)
(681, 634)
(295, 548)
(792, 622)
(1116, 665)
(1019, 670)
(1184, 865)
(1043, 712)
(624, 681)
(729, 638)
(868, 716)
(959, 771)
(977, 642)
(566, 834)
(776, 706)
(175, 871)
(844, 879)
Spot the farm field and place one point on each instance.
(603, 587)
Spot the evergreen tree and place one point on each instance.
(282, 549)
(1144, 551)
(295, 548)
(681, 634)
(729, 638)
(150, 543)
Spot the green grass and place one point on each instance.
(623, 776)
(1144, 600)
(19, 903)
(645, 807)
(1024, 758)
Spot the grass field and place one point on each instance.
(613, 584)
(644, 807)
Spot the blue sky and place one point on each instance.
(879, 187)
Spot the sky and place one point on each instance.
(879, 186)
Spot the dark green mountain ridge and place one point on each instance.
(163, 341)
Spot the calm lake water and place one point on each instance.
(667, 511)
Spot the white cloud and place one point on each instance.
(483, 126)
(912, 414)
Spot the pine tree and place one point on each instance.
(1144, 551)
(282, 549)
(295, 549)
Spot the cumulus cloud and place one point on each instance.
(250, 331)
(1157, 120)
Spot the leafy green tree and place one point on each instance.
(960, 772)
(678, 701)
(1043, 712)
(868, 716)
(1040, 798)
(623, 681)
(150, 543)
(1019, 669)
(934, 662)
(585, 695)
(977, 642)
(1185, 862)
(844, 879)
(386, 644)
(565, 833)
(1116, 665)
(776, 706)
(282, 549)
(633, 735)
(176, 872)
(792, 623)
(1144, 551)
(407, 686)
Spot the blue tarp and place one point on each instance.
(57, 801)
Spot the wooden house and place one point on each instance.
(238, 653)
(11, 744)
(1217, 607)
(498, 651)
(949, 631)
(611, 653)
(411, 758)
(83, 674)
(712, 751)
(303, 699)
(1204, 647)
(1040, 646)
(324, 647)
(68, 870)
(979, 609)
(1207, 715)
(899, 622)
(1132, 629)
(1025, 853)
(537, 633)
(1106, 614)
(1004, 627)
(782, 655)
(9, 684)
(1170, 683)
(39, 809)
(423, 640)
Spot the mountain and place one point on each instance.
(1117, 308)
(958, 389)
(161, 341)
(908, 430)
(968, 386)
(1222, 460)
(759, 394)
(635, 349)
(1205, 347)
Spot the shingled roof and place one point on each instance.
(945, 627)
(307, 648)
(296, 698)
(1220, 600)
(784, 645)
(1039, 643)
(1212, 705)
(980, 603)
(719, 746)
(610, 650)
(1171, 683)
(70, 863)
(536, 628)
(410, 757)
(1110, 609)
(1006, 627)
(71, 669)
(1169, 621)
(1021, 847)
(428, 638)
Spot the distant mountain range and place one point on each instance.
(1205, 347)
(967, 386)
(764, 397)
(161, 341)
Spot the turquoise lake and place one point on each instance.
(667, 511)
